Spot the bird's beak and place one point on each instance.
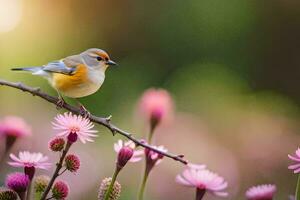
(110, 62)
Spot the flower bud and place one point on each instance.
(40, 183)
(115, 193)
(72, 162)
(57, 144)
(18, 182)
(60, 190)
(156, 105)
(8, 194)
(124, 156)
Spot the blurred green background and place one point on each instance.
(232, 67)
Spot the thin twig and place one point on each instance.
(62, 172)
(56, 173)
(99, 120)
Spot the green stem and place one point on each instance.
(56, 173)
(38, 195)
(3, 158)
(28, 195)
(143, 184)
(150, 134)
(147, 170)
(149, 139)
(297, 195)
(113, 180)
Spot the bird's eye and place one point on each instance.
(99, 58)
(106, 59)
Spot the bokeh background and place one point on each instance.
(231, 66)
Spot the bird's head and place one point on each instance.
(97, 58)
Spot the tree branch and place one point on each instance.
(99, 120)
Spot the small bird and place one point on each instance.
(75, 76)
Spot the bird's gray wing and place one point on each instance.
(73, 61)
(65, 66)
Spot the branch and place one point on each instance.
(99, 120)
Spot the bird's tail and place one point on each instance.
(33, 70)
(28, 69)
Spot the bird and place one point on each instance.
(75, 76)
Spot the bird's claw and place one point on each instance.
(84, 112)
(60, 103)
(108, 119)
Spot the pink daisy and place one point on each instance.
(69, 124)
(14, 126)
(296, 158)
(261, 192)
(137, 154)
(203, 180)
(156, 105)
(27, 159)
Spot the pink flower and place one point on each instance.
(296, 158)
(203, 180)
(27, 159)
(261, 192)
(137, 154)
(153, 158)
(156, 105)
(14, 126)
(74, 125)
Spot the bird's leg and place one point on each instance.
(60, 103)
(83, 111)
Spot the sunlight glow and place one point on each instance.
(10, 14)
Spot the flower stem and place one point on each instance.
(149, 139)
(147, 169)
(113, 180)
(143, 184)
(22, 195)
(28, 195)
(297, 195)
(199, 194)
(59, 165)
(8, 145)
(150, 135)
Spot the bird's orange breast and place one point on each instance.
(64, 82)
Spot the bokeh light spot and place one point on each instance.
(10, 14)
